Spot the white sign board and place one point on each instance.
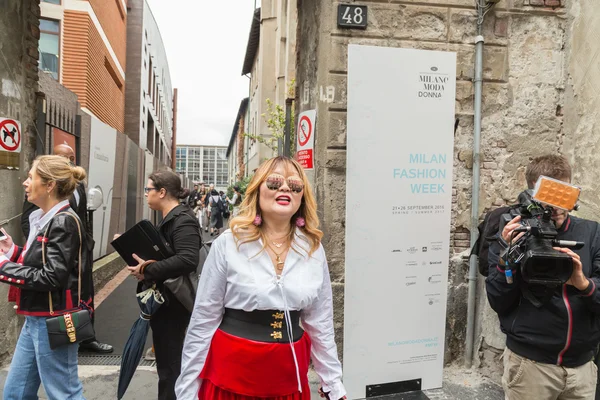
(398, 203)
(305, 142)
(10, 135)
(103, 145)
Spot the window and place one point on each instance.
(49, 46)
(150, 79)
(113, 74)
(121, 11)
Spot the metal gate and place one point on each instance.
(53, 121)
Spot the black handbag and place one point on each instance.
(73, 326)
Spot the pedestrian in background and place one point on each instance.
(236, 200)
(262, 278)
(181, 230)
(207, 206)
(216, 212)
(50, 288)
(226, 212)
(200, 208)
(193, 198)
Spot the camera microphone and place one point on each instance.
(568, 243)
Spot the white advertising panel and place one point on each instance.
(103, 145)
(400, 142)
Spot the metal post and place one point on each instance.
(280, 149)
(478, 83)
(287, 151)
(40, 148)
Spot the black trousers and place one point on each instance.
(169, 325)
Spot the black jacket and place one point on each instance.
(181, 230)
(193, 198)
(60, 274)
(566, 329)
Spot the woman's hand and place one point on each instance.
(135, 271)
(116, 236)
(6, 244)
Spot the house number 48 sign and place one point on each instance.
(351, 16)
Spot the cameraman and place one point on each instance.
(550, 346)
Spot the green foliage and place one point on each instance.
(275, 119)
(243, 184)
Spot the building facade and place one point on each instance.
(82, 45)
(203, 164)
(149, 93)
(237, 157)
(539, 96)
(19, 35)
(270, 61)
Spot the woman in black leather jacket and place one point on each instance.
(47, 289)
(181, 230)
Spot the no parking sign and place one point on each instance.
(10, 135)
(305, 134)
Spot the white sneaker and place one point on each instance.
(150, 356)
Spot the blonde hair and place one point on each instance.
(242, 226)
(58, 169)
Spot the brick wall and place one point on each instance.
(89, 71)
(113, 19)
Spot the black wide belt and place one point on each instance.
(261, 325)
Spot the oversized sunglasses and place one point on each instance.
(275, 182)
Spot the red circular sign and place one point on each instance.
(304, 131)
(9, 133)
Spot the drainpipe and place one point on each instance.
(478, 81)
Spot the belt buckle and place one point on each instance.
(277, 335)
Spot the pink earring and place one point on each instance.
(300, 222)
(257, 220)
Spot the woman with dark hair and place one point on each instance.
(180, 229)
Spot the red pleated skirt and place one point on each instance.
(242, 369)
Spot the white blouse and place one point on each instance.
(246, 280)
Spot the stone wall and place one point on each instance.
(581, 133)
(523, 102)
(19, 35)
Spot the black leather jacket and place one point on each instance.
(59, 275)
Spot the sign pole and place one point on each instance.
(287, 151)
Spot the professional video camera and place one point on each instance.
(533, 252)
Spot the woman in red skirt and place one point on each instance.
(264, 304)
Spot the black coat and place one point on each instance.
(566, 329)
(180, 228)
(60, 274)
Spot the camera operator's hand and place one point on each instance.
(577, 279)
(507, 232)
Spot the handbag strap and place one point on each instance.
(80, 246)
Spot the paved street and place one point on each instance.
(119, 310)
(100, 383)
